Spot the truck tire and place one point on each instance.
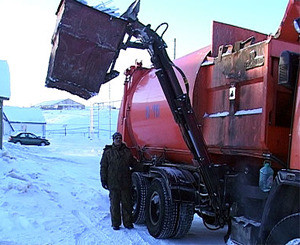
(161, 212)
(285, 230)
(185, 219)
(140, 188)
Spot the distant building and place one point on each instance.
(66, 104)
(4, 92)
(17, 119)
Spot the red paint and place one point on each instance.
(249, 126)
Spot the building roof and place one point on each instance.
(23, 114)
(51, 102)
(58, 102)
(4, 80)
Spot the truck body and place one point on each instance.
(203, 125)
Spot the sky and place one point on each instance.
(52, 194)
(26, 28)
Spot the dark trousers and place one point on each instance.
(120, 200)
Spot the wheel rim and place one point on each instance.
(294, 242)
(155, 206)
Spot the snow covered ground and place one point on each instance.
(53, 195)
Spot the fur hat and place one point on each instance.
(116, 134)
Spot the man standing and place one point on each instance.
(115, 174)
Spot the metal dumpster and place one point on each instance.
(85, 42)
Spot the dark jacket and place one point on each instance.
(115, 167)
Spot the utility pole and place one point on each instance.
(109, 108)
(174, 48)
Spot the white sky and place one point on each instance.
(26, 27)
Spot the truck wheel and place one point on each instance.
(140, 187)
(285, 230)
(161, 212)
(185, 219)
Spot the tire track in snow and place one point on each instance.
(97, 230)
(138, 239)
(91, 234)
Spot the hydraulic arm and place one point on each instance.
(181, 108)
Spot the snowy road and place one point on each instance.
(52, 195)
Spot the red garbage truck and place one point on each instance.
(218, 130)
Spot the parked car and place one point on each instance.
(28, 139)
